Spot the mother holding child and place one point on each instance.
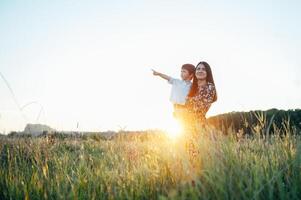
(192, 100)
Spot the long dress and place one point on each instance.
(197, 107)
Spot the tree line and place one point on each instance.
(267, 122)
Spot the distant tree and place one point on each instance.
(12, 134)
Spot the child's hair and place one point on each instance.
(189, 67)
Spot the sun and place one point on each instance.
(174, 129)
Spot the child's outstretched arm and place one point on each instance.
(164, 76)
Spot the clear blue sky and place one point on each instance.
(88, 62)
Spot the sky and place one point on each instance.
(86, 65)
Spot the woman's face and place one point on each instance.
(200, 72)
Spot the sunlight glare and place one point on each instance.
(174, 129)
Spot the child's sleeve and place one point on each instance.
(171, 80)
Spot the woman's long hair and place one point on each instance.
(209, 79)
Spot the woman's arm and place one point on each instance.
(209, 94)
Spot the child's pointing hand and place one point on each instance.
(155, 73)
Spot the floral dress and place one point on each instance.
(197, 107)
(199, 104)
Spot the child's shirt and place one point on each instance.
(179, 90)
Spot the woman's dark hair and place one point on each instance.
(209, 79)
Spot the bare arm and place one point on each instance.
(164, 76)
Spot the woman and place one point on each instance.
(201, 95)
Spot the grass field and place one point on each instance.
(214, 166)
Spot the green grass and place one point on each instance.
(223, 167)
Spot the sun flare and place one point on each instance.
(174, 129)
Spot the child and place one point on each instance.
(180, 88)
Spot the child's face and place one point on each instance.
(185, 75)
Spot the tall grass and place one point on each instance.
(217, 166)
